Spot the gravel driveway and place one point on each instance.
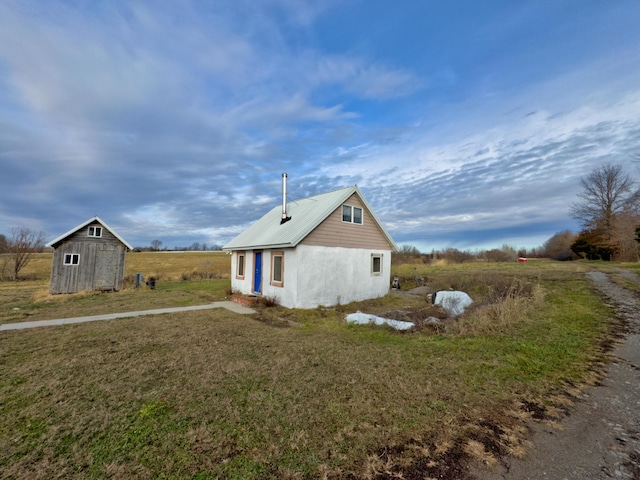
(600, 438)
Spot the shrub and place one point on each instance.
(268, 301)
(199, 275)
(454, 255)
(502, 308)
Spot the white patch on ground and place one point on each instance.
(360, 318)
(453, 302)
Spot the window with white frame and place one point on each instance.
(240, 266)
(94, 231)
(277, 269)
(351, 214)
(376, 263)
(71, 259)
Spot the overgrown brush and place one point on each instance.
(500, 302)
(200, 275)
(194, 275)
(499, 311)
(268, 301)
(5, 270)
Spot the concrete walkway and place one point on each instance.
(234, 307)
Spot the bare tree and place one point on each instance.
(405, 254)
(558, 247)
(4, 258)
(608, 192)
(22, 244)
(623, 236)
(156, 244)
(504, 254)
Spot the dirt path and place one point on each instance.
(600, 438)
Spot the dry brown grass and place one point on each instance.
(478, 452)
(168, 266)
(184, 278)
(218, 387)
(499, 314)
(171, 266)
(34, 302)
(217, 395)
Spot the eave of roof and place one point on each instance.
(53, 243)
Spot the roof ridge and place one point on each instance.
(324, 193)
(77, 228)
(306, 214)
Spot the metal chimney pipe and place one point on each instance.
(284, 196)
(284, 200)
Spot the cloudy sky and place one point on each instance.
(465, 124)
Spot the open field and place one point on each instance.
(189, 278)
(167, 265)
(297, 394)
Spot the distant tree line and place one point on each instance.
(156, 246)
(608, 209)
(506, 253)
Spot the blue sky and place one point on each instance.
(465, 124)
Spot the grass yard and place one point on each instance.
(183, 279)
(298, 393)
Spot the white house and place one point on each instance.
(323, 250)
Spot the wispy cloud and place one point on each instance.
(174, 120)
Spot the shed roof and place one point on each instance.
(306, 214)
(54, 243)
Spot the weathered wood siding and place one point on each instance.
(333, 232)
(101, 263)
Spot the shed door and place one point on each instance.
(257, 273)
(106, 264)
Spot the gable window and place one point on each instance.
(240, 266)
(94, 232)
(277, 269)
(352, 214)
(71, 259)
(376, 263)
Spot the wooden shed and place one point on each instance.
(90, 256)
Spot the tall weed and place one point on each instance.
(501, 310)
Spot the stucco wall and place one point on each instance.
(242, 285)
(315, 275)
(338, 275)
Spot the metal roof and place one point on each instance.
(306, 215)
(53, 243)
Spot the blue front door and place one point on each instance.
(257, 273)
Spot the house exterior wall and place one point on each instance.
(100, 266)
(333, 232)
(318, 275)
(337, 275)
(242, 284)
